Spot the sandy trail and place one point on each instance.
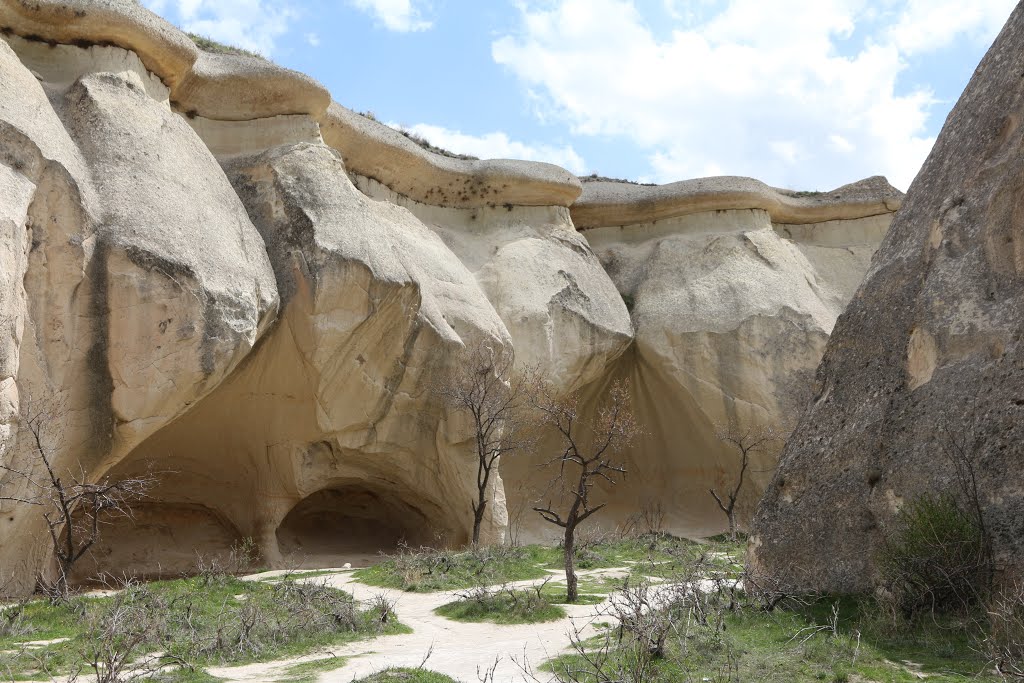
(460, 650)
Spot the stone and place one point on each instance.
(732, 309)
(926, 359)
(144, 281)
(377, 152)
(219, 276)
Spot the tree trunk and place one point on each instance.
(732, 525)
(60, 585)
(571, 582)
(478, 519)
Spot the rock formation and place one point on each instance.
(927, 358)
(213, 273)
(734, 287)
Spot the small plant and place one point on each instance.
(598, 178)
(210, 45)
(746, 441)
(1004, 643)
(74, 506)
(502, 605)
(121, 636)
(425, 144)
(431, 569)
(935, 559)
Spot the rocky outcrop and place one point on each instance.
(139, 280)
(926, 360)
(732, 299)
(213, 273)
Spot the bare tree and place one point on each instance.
(747, 441)
(487, 388)
(73, 506)
(589, 446)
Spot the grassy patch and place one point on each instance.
(308, 672)
(426, 570)
(200, 621)
(597, 178)
(503, 606)
(184, 676)
(426, 144)
(806, 644)
(210, 45)
(406, 676)
(650, 554)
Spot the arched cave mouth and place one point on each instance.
(159, 540)
(353, 524)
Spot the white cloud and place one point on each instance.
(497, 146)
(251, 24)
(396, 15)
(313, 39)
(753, 88)
(927, 25)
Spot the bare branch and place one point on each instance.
(588, 448)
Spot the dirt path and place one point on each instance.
(460, 650)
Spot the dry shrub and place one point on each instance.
(935, 559)
(1005, 642)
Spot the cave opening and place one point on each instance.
(159, 540)
(350, 524)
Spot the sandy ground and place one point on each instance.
(464, 651)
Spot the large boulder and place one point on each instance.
(926, 360)
(138, 281)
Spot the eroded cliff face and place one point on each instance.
(731, 308)
(212, 273)
(925, 362)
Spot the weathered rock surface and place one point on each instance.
(731, 309)
(214, 273)
(145, 282)
(928, 352)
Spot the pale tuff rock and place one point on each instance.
(612, 203)
(925, 361)
(214, 271)
(331, 418)
(731, 313)
(541, 276)
(145, 282)
(240, 87)
(375, 151)
(163, 49)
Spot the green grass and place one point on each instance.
(406, 676)
(596, 177)
(210, 45)
(778, 647)
(200, 620)
(184, 676)
(504, 607)
(308, 672)
(429, 570)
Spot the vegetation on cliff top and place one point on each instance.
(212, 46)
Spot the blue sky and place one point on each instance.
(808, 94)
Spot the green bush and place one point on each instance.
(935, 558)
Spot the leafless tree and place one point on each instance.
(73, 506)
(487, 388)
(589, 449)
(747, 441)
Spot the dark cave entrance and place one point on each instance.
(352, 524)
